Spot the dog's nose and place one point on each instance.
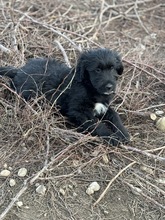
(109, 86)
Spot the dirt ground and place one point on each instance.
(60, 162)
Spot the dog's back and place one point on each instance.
(36, 76)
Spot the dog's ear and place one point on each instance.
(120, 68)
(80, 69)
(119, 65)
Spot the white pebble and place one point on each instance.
(75, 194)
(22, 172)
(147, 169)
(159, 112)
(93, 187)
(19, 203)
(5, 165)
(37, 184)
(161, 180)
(62, 191)
(41, 189)
(12, 182)
(5, 173)
(89, 191)
(161, 124)
(136, 190)
(153, 116)
(105, 159)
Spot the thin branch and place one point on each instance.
(11, 204)
(138, 67)
(110, 183)
(4, 49)
(139, 19)
(21, 98)
(50, 28)
(145, 153)
(144, 195)
(156, 149)
(30, 181)
(149, 183)
(63, 52)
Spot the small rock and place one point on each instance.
(161, 180)
(75, 194)
(75, 163)
(159, 112)
(96, 152)
(37, 184)
(26, 207)
(106, 212)
(93, 187)
(19, 203)
(22, 172)
(12, 182)
(147, 169)
(105, 158)
(62, 191)
(23, 144)
(136, 190)
(41, 189)
(89, 191)
(70, 186)
(5, 173)
(137, 84)
(153, 116)
(160, 124)
(5, 165)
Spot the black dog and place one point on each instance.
(83, 93)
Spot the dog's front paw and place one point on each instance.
(118, 138)
(112, 140)
(123, 136)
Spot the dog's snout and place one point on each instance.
(109, 86)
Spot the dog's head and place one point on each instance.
(101, 67)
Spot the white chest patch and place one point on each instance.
(100, 109)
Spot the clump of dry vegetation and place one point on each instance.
(36, 137)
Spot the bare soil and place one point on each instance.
(35, 136)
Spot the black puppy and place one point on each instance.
(83, 93)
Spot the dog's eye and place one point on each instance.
(98, 70)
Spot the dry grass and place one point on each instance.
(38, 138)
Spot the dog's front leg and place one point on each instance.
(119, 132)
(87, 122)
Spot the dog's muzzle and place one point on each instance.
(109, 89)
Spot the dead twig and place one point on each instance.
(141, 113)
(31, 180)
(145, 153)
(63, 52)
(149, 183)
(16, 94)
(11, 204)
(50, 28)
(156, 149)
(110, 183)
(144, 195)
(139, 19)
(4, 49)
(142, 69)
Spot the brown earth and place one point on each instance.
(64, 161)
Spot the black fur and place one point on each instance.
(76, 90)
